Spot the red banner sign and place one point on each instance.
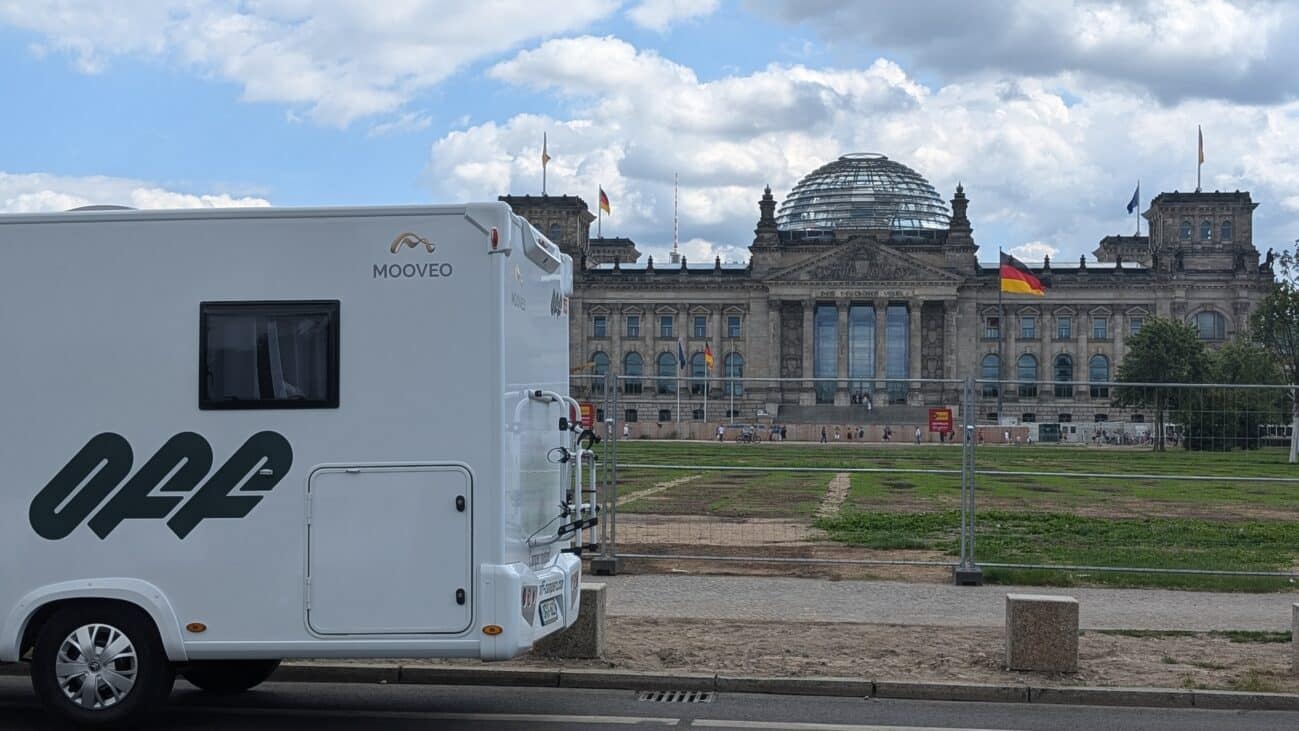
(588, 416)
(940, 420)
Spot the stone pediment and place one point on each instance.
(865, 263)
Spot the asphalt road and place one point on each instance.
(326, 707)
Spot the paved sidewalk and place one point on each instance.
(887, 602)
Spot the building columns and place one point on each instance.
(841, 354)
(881, 349)
(914, 344)
(808, 396)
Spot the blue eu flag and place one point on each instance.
(1136, 199)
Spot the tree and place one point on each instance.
(1223, 418)
(1275, 326)
(1163, 351)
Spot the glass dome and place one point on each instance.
(863, 190)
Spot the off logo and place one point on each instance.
(100, 467)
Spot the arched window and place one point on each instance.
(599, 368)
(1026, 374)
(991, 374)
(1226, 231)
(667, 373)
(1186, 230)
(734, 368)
(1098, 372)
(1206, 231)
(555, 232)
(1212, 325)
(698, 374)
(633, 367)
(1063, 376)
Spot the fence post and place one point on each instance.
(967, 572)
(608, 563)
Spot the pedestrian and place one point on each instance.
(823, 440)
(836, 433)
(783, 433)
(626, 431)
(1005, 436)
(888, 433)
(870, 404)
(917, 435)
(721, 432)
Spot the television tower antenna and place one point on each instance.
(676, 251)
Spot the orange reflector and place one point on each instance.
(492, 629)
(496, 238)
(196, 627)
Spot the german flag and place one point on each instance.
(1017, 279)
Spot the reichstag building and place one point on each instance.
(864, 278)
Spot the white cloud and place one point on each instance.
(43, 193)
(1033, 251)
(1178, 49)
(339, 60)
(408, 122)
(1050, 160)
(659, 15)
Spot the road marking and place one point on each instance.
(428, 716)
(791, 726)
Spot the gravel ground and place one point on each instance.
(777, 599)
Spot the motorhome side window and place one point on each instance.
(268, 355)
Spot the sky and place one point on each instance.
(1049, 112)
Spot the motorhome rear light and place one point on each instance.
(492, 630)
(572, 414)
(496, 238)
(196, 627)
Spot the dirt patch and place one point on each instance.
(891, 652)
(638, 494)
(835, 494)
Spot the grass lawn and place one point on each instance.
(1222, 524)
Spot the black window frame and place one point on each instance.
(278, 308)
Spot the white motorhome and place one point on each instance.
(233, 436)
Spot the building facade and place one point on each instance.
(864, 291)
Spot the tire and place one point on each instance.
(77, 679)
(229, 676)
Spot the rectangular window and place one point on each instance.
(268, 355)
(1065, 418)
(1134, 324)
(1064, 327)
(1028, 418)
(992, 416)
(630, 415)
(1100, 328)
(633, 326)
(599, 326)
(665, 414)
(1099, 418)
(665, 326)
(697, 414)
(599, 416)
(701, 326)
(992, 328)
(1027, 327)
(732, 326)
(732, 413)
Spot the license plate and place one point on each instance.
(549, 611)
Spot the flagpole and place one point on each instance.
(1001, 342)
(599, 216)
(1136, 212)
(1199, 156)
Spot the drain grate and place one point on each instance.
(677, 696)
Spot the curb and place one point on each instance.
(822, 686)
(386, 674)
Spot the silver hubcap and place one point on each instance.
(96, 666)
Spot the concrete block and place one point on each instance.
(1042, 633)
(585, 639)
(1132, 697)
(969, 692)
(841, 687)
